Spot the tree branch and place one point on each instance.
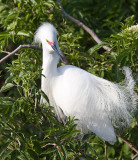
(18, 48)
(64, 58)
(105, 148)
(135, 156)
(87, 29)
(129, 144)
(9, 52)
(27, 46)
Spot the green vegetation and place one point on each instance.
(30, 131)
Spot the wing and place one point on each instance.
(93, 100)
(78, 94)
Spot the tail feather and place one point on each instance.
(123, 110)
(129, 84)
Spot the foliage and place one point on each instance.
(32, 130)
(29, 130)
(124, 45)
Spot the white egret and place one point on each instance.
(94, 101)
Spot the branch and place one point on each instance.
(135, 156)
(52, 144)
(129, 144)
(64, 58)
(9, 52)
(17, 49)
(27, 46)
(87, 29)
(105, 148)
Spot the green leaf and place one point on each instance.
(4, 34)
(6, 154)
(115, 70)
(49, 150)
(2, 6)
(70, 154)
(12, 25)
(23, 33)
(110, 152)
(25, 156)
(86, 157)
(73, 127)
(32, 154)
(50, 3)
(37, 146)
(10, 111)
(6, 103)
(44, 96)
(97, 47)
(4, 147)
(64, 151)
(6, 87)
(15, 154)
(60, 155)
(54, 157)
(85, 137)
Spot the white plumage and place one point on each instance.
(96, 102)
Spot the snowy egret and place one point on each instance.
(94, 101)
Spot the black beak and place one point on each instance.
(56, 50)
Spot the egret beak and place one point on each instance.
(53, 45)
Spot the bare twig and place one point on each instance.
(9, 52)
(27, 46)
(64, 58)
(87, 29)
(129, 144)
(52, 144)
(17, 49)
(105, 150)
(135, 156)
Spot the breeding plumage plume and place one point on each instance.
(97, 103)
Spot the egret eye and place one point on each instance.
(50, 43)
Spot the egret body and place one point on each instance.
(94, 101)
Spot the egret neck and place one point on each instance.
(50, 60)
(49, 71)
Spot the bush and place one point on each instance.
(30, 130)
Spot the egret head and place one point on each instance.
(47, 35)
